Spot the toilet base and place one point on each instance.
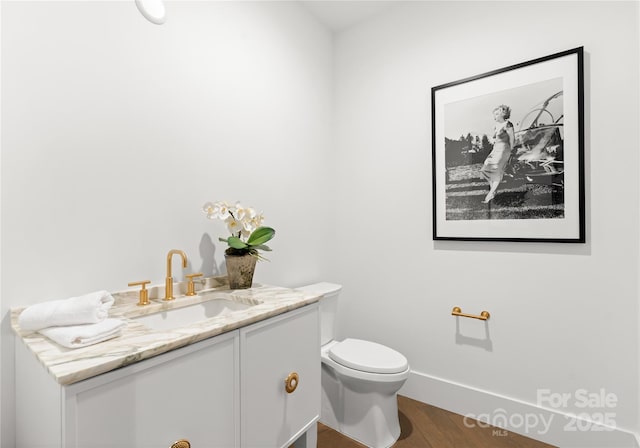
(362, 410)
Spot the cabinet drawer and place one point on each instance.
(189, 393)
(269, 352)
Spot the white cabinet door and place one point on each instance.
(190, 393)
(270, 351)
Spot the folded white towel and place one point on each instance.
(76, 336)
(87, 309)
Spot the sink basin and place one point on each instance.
(179, 317)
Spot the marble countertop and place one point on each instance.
(138, 342)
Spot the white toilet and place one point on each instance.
(360, 380)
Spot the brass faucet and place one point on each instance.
(168, 287)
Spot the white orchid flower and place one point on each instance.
(209, 209)
(250, 213)
(244, 213)
(233, 225)
(247, 227)
(257, 220)
(221, 210)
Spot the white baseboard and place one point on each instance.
(546, 425)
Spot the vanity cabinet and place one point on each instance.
(228, 391)
(280, 353)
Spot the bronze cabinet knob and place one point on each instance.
(291, 383)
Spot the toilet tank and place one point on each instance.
(328, 308)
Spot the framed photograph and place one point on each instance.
(508, 153)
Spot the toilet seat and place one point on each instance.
(367, 356)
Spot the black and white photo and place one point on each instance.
(508, 156)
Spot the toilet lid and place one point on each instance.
(368, 357)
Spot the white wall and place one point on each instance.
(3, 413)
(116, 131)
(564, 317)
(638, 272)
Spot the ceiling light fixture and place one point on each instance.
(153, 10)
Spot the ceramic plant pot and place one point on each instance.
(240, 270)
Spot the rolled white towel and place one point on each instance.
(76, 336)
(87, 309)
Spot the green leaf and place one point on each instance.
(260, 236)
(236, 243)
(262, 247)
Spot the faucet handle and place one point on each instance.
(144, 294)
(190, 285)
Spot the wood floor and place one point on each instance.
(425, 426)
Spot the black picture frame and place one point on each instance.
(538, 170)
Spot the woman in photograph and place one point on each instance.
(504, 139)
